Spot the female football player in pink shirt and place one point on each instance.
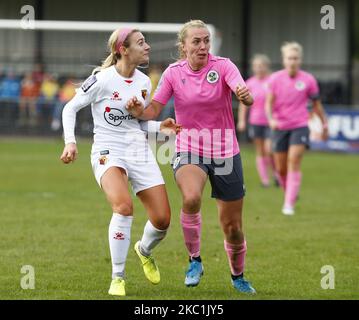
(259, 129)
(289, 91)
(202, 86)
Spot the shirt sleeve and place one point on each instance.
(164, 89)
(85, 95)
(313, 90)
(150, 126)
(232, 76)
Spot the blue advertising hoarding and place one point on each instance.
(343, 131)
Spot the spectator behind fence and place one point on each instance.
(10, 87)
(48, 95)
(38, 73)
(66, 93)
(9, 95)
(27, 106)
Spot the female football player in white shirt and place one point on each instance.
(120, 151)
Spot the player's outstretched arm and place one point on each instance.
(137, 109)
(167, 126)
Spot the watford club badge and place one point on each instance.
(103, 160)
(144, 93)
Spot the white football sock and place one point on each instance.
(151, 238)
(119, 235)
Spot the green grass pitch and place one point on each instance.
(55, 218)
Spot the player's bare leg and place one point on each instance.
(270, 160)
(262, 161)
(191, 181)
(281, 162)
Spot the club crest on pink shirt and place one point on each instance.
(300, 85)
(212, 76)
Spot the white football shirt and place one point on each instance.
(114, 128)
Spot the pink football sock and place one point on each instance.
(262, 169)
(294, 179)
(191, 226)
(236, 254)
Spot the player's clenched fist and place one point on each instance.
(243, 94)
(70, 153)
(135, 107)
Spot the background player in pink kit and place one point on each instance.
(120, 151)
(289, 91)
(202, 87)
(259, 129)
